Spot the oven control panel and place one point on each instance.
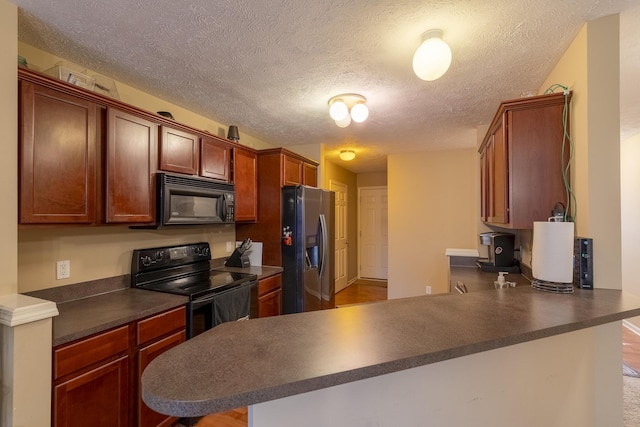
(167, 256)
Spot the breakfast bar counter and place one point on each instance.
(246, 363)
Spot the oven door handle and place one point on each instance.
(200, 302)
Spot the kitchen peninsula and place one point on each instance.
(502, 357)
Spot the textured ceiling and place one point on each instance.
(270, 66)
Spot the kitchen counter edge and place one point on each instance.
(272, 358)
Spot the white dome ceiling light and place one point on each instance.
(347, 107)
(347, 155)
(433, 57)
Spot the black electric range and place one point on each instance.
(214, 296)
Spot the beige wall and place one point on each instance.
(25, 392)
(8, 160)
(433, 206)
(542, 383)
(630, 206)
(337, 173)
(590, 67)
(372, 179)
(100, 252)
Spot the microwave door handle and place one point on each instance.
(223, 208)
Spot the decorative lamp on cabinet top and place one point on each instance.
(433, 57)
(233, 134)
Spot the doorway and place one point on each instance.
(373, 236)
(341, 242)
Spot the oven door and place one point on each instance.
(237, 303)
(199, 316)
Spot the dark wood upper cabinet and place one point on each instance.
(278, 167)
(245, 179)
(179, 151)
(291, 170)
(521, 161)
(131, 161)
(57, 157)
(215, 159)
(310, 174)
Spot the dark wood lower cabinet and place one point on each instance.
(96, 380)
(99, 398)
(270, 296)
(146, 416)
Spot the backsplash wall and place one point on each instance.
(100, 252)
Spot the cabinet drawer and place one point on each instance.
(161, 324)
(269, 284)
(84, 353)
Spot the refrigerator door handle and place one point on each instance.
(323, 230)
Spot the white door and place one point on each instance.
(341, 243)
(373, 233)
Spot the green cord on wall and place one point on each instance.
(566, 138)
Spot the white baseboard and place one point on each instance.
(633, 328)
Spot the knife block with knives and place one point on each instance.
(239, 257)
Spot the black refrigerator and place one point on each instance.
(308, 230)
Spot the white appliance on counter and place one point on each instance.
(552, 256)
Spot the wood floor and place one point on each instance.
(631, 348)
(361, 291)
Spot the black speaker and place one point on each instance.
(583, 263)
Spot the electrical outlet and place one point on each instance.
(63, 269)
(229, 246)
(428, 290)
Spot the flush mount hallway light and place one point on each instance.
(347, 155)
(347, 106)
(433, 57)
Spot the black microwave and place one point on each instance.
(187, 200)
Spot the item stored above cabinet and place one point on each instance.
(521, 161)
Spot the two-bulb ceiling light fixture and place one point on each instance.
(346, 107)
(433, 57)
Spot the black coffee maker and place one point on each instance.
(501, 252)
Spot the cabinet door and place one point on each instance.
(98, 398)
(245, 177)
(131, 166)
(292, 171)
(270, 296)
(146, 416)
(179, 151)
(310, 175)
(57, 157)
(215, 159)
(498, 178)
(270, 304)
(484, 170)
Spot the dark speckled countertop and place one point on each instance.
(92, 307)
(83, 317)
(244, 363)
